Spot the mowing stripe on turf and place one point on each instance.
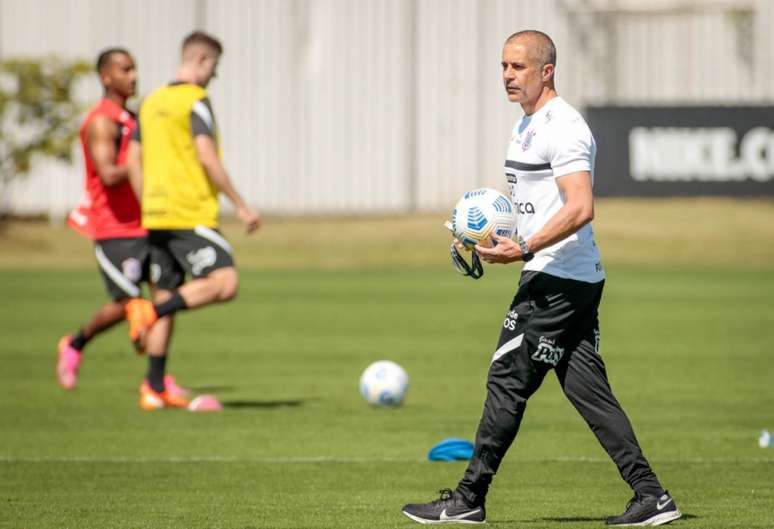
(324, 459)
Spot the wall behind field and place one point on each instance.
(355, 106)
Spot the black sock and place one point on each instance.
(79, 341)
(170, 306)
(156, 368)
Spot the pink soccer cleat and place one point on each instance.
(68, 364)
(171, 384)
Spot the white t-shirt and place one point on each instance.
(552, 142)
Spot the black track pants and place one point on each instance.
(552, 324)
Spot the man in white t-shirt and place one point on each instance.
(552, 322)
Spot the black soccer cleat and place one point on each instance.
(645, 510)
(451, 507)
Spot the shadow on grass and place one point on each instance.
(261, 404)
(211, 389)
(570, 519)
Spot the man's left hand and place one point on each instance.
(250, 219)
(503, 251)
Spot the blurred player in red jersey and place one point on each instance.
(109, 213)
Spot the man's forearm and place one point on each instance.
(112, 175)
(568, 220)
(134, 168)
(219, 177)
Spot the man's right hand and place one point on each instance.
(249, 218)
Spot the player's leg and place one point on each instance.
(166, 276)
(513, 377)
(106, 317)
(218, 286)
(71, 346)
(158, 340)
(154, 392)
(584, 381)
(206, 255)
(121, 266)
(511, 381)
(583, 378)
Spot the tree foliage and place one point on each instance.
(38, 113)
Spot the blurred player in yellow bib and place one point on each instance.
(175, 166)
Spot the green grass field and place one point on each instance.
(687, 334)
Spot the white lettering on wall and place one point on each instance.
(703, 154)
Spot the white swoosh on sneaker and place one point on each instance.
(462, 516)
(660, 505)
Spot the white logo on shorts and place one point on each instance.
(510, 320)
(548, 351)
(201, 259)
(132, 269)
(155, 272)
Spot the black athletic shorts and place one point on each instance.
(197, 252)
(124, 265)
(549, 317)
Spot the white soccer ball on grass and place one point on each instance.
(384, 383)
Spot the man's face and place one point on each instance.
(120, 75)
(523, 76)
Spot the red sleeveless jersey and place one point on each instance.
(107, 212)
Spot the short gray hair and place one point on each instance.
(544, 49)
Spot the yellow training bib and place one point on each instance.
(177, 193)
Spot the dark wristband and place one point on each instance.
(526, 255)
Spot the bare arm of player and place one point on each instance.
(101, 135)
(208, 156)
(577, 211)
(134, 165)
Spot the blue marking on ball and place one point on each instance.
(387, 398)
(476, 218)
(475, 193)
(502, 205)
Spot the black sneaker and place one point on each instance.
(451, 507)
(647, 510)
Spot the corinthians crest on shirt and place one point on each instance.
(526, 143)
